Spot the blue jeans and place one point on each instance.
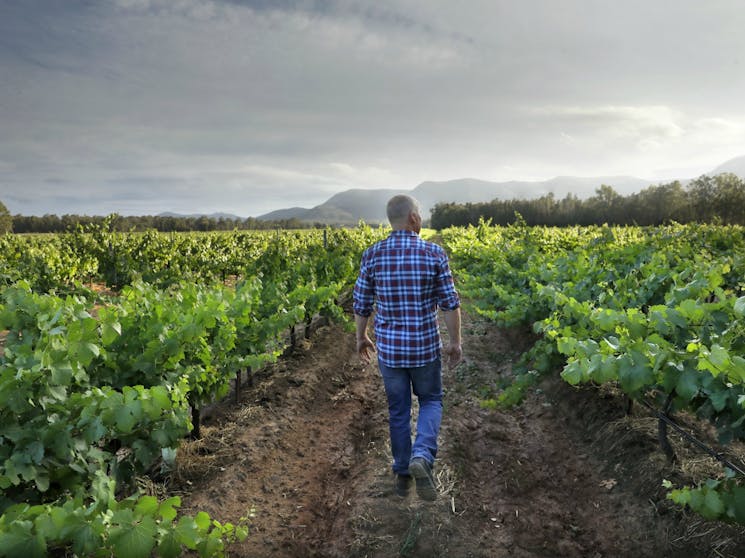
(426, 382)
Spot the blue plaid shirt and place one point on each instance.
(407, 278)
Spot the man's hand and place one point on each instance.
(454, 353)
(366, 349)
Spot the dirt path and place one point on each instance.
(565, 474)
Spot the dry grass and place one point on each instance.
(215, 449)
(691, 462)
(692, 466)
(146, 486)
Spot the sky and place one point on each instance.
(139, 107)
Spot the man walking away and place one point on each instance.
(407, 279)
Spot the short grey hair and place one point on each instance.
(399, 207)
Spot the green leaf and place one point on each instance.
(134, 541)
(213, 545)
(187, 532)
(566, 345)
(93, 349)
(691, 310)
(737, 506)
(169, 546)
(202, 520)
(147, 505)
(168, 507)
(633, 376)
(85, 540)
(740, 307)
(160, 396)
(94, 431)
(713, 507)
(124, 418)
(16, 543)
(60, 373)
(737, 371)
(42, 482)
(607, 371)
(110, 332)
(572, 373)
(58, 392)
(145, 452)
(719, 399)
(612, 343)
(688, 384)
(35, 451)
(719, 356)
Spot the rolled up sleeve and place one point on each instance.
(364, 290)
(447, 296)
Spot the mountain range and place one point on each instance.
(351, 206)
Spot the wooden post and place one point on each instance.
(662, 430)
(195, 421)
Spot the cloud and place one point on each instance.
(636, 123)
(261, 104)
(200, 10)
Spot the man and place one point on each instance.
(407, 278)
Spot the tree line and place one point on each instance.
(162, 223)
(707, 199)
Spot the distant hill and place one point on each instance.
(210, 215)
(351, 206)
(735, 166)
(348, 207)
(284, 214)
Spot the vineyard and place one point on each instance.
(115, 344)
(657, 312)
(98, 390)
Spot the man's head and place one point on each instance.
(403, 213)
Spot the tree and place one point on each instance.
(729, 198)
(6, 220)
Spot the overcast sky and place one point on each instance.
(245, 106)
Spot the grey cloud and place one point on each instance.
(250, 103)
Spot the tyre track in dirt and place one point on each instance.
(307, 447)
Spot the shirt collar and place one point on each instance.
(404, 233)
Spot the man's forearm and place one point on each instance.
(452, 322)
(361, 324)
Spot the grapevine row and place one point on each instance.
(66, 262)
(657, 311)
(93, 395)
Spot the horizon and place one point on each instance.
(228, 215)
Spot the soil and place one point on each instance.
(567, 473)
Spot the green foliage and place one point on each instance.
(91, 397)
(656, 311)
(722, 499)
(708, 199)
(6, 220)
(100, 253)
(94, 523)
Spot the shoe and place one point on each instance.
(401, 485)
(425, 482)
